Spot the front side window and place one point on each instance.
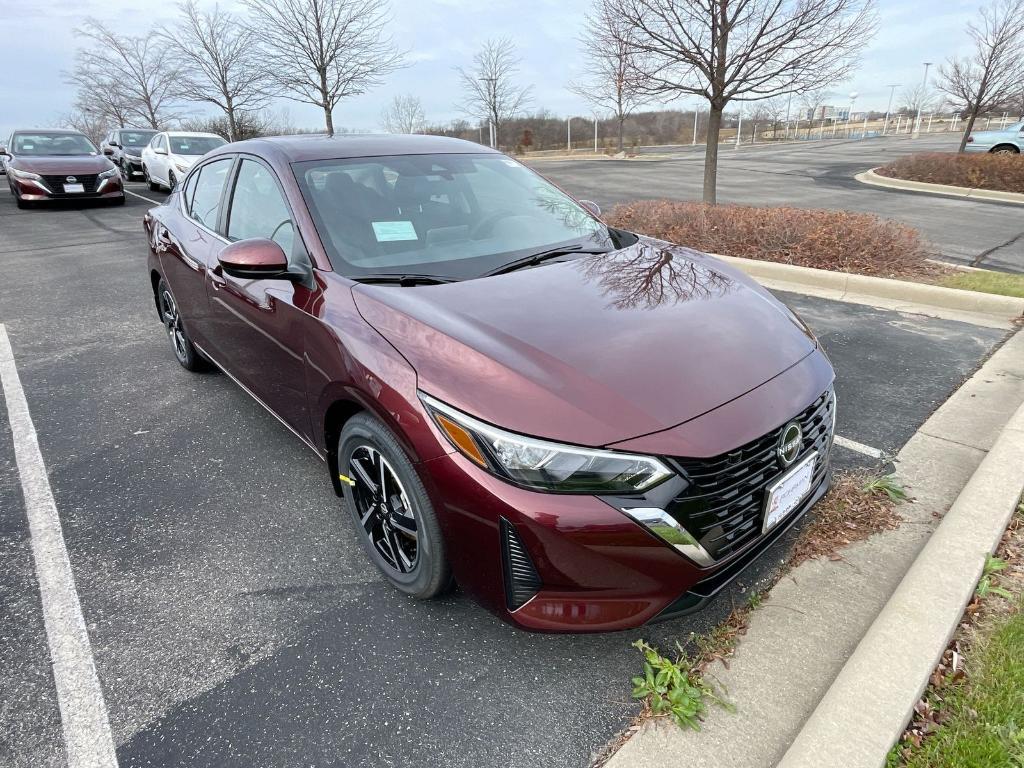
(258, 208)
(44, 143)
(204, 206)
(194, 145)
(447, 215)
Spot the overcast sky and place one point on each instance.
(39, 42)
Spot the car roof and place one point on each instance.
(291, 149)
(67, 131)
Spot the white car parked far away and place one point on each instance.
(170, 155)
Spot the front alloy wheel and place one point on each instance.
(390, 508)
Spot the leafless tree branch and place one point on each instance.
(404, 115)
(490, 87)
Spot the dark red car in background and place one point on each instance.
(586, 428)
(55, 164)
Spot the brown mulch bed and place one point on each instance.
(1004, 173)
(860, 243)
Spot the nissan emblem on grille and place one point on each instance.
(789, 443)
(71, 179)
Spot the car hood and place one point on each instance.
(594, 350)
(81, 165)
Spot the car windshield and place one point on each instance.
(451, 216)
(44, 143)
(136, 138)
(194, 145)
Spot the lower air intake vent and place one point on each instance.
(521, 579)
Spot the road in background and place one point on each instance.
(811, 175)
(233, 616)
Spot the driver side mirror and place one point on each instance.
(3, 151)
(108, 151)
(254, 259)
(591, 206)
(160, 151)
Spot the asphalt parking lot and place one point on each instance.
(233, 618)
(813, 175)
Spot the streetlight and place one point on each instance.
(568, 134)
(920, 100)
(849, 115)
(888, 110)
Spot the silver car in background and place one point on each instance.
(1006, 141)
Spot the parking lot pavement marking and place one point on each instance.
(83, 711)
(142, 197)
(853, 445)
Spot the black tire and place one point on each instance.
(172, 181)
(153, 186)
(125, 173)
(22, 204)
(184, 350)
(430, 575)
(1004, 149)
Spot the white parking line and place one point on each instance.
(853, 445)
(143, 197)
(83, 712)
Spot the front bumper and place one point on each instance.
(132, 166)
(594, 568)
(35, 191)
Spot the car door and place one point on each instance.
(158, 169)
(188, 241)
(257, 327)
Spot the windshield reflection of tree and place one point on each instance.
(573, 216)
(646, 276)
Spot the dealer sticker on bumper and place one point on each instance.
(786, 493)
(69, 188)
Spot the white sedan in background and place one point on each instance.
(170, 155)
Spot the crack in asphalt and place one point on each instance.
(976, 261)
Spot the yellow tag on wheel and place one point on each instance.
(346, 479)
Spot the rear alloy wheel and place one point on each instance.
(1006, 149)
(391, 510)
(172, 182)
(153, 186)
(184, 350)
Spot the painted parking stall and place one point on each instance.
(232, 617)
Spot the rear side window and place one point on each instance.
(258, 208)
(204, 205)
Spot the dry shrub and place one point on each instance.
(1000, 172)
(836, 240)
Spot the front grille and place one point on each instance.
(521, 579)
(56, 183)
(723, 505)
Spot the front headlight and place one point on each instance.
(24, 174)
(109, 174)
(182, 166)
(542, 465)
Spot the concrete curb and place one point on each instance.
(850, 285)
(973, 193)
(870, 702)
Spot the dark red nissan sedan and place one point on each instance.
(57, 164)
(587, 429)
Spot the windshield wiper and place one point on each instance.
(404, 280)
(536, 258)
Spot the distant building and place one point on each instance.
(827, 112)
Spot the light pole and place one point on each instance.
(849, 115)
(595, 133)
(920, 100)
(568, 134)
(695, 111)
(888, 109)
(739, 128)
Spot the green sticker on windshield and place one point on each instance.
(391, 231)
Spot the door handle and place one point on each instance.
(163, 240)
(217, 277)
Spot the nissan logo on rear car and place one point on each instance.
(789, 443)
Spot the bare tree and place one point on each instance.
(610, 61)
(139, 68)
(98, 93)
(993, 73)
(492, 92)
(741, 50)
(218, 62)
(918, 97)
(322, 51)
(92, 123)
(404, 115)
(771, 111)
